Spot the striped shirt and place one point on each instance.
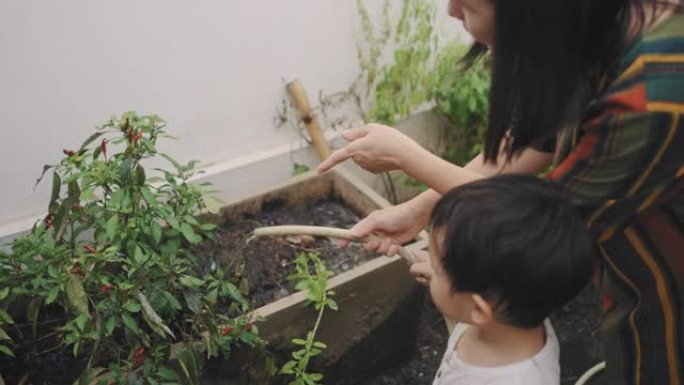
(624, 170)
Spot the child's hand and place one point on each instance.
(422, 272)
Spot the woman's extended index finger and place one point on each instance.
(334, 159)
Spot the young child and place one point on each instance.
(504, 253)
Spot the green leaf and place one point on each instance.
(298, 341)
(132, 306)
(90, 139)
(175, 164)
(190, 234)
(191, 220)
(77, 295)
(116, 198)
(300, 169)
(288, 367)
(138, 255)
(156, 231)
(58, 220)
(194, 302)
(189, 362)
(149, 197)
(110, 325)
(87, 194)
(153, 319)
(81, 320)
(3, 335)
(56, 186)
(140, 176)
(4, 293)
(5, 350)
(131, 324)
(172, 300)
(125, 170)
(168, 374)
(74, 191)
(208, 226)
(213, 204)
(112, 226)
(319, 345)
(52, 295)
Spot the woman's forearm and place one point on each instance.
(530, 161)
(442, 176)
(437, 173)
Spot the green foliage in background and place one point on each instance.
(110, 272)
(461, 96)
(423, 73)
(403, 85)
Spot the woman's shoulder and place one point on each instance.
(661, 44)
(651, 73)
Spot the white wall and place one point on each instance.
(214, 69)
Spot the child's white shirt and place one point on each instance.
(541, 369)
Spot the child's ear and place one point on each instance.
(482, 312)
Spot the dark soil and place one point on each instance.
(266, 262)
(55, 366)
(426, 355)
(576, 324)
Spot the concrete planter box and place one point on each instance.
(375, 299)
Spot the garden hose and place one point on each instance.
(332, 232)
(590, 373)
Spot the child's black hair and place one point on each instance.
(516, 241)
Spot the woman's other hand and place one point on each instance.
(395, 225)
(375, 147)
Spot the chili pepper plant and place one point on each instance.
(111, 268)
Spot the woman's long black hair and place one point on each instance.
(551, 58)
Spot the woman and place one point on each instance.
(605, 78)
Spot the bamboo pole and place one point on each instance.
(298, 94)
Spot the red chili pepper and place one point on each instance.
(48, 222)
(129, 134)
(106, 287)
(139, 356)
(227, 330)
(137, 137)
(68, 152)
(77, 270)
(90, 249)
(103, 146)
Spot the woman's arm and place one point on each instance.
(442, 176)
(379, 148)
(401, 223)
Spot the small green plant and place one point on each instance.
(310, 275)
(112, 263)
(298, 169)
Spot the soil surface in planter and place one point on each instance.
(576, 324)
(267, 262)
(33, 363)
